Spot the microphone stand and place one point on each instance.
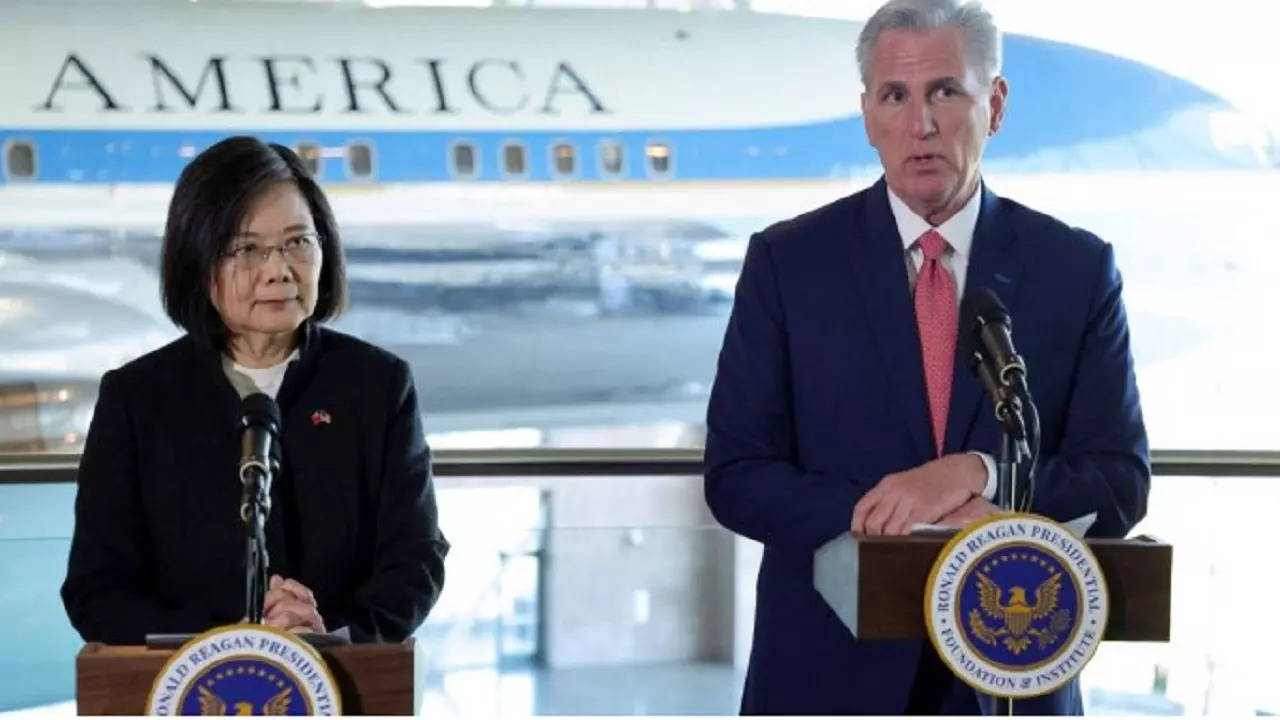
(1014, 450)
(255, 505)
(1012, 443)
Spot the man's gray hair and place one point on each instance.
(981, 37)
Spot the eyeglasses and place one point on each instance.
(298, 250)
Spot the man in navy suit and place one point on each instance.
(840, 402)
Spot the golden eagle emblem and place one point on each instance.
(211, 704)
(1017, 616)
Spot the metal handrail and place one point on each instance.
(61, 468)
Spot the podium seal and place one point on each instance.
(245, 669)
(1016, 605)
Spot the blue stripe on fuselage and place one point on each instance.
(132, 156)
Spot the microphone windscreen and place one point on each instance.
(986, 304)
(260, 409)
(979, 306)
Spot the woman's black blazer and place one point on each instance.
(159, 543)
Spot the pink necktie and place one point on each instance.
(936, 320)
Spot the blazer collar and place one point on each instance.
(879, 268)
(880, 275)
(299, 374)
(995, 265)
(297, 377)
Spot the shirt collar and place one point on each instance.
(958, 230)
(270, 368)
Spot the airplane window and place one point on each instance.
(564, 158)
(20, 160)
(611, 157)
(359, 161)
(310, 154)
(464, 160)
(513, 159)
(659, 155)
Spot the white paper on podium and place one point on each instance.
(1078, 527)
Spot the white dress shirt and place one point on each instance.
(958, 232)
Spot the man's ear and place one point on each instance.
(865, 125)
(998, 100)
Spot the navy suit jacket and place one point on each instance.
(820, 393)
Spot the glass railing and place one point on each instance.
(618, 620)
(37, 644)
(603, 595)
(1218, 659)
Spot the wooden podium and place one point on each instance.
(876, 584)
(376, 679)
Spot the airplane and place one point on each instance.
(545, 209)
(549, 182)
(562, 184)
(533, 100)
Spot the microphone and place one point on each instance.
(259, 450)
(986, 332)
(259, 462)
(990, 323)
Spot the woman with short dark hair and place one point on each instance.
(206, 213)
(252, 264)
